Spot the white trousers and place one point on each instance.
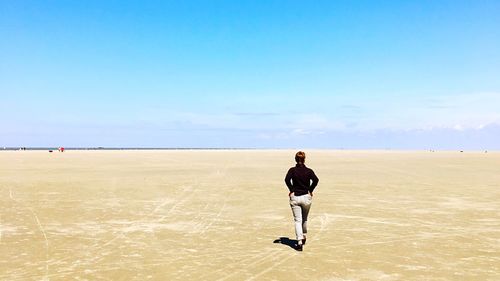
(300, 209)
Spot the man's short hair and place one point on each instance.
(300, 157)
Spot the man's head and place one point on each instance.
(300, 157)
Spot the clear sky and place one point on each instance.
(265, 74)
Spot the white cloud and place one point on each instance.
(465, 111)
(454, 112)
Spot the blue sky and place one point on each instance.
(266, 74)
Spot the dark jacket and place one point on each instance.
(298, 179)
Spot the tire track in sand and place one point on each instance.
(145, 218)
(40, 228)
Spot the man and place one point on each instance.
(301, 182)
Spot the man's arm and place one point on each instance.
(288, 180)
(314, 183)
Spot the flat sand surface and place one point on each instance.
(215, 215)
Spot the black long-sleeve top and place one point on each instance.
(301, 180)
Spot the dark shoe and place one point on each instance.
(304, 241)
(299, 248)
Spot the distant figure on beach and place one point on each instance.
(61, 149)
(301, 182)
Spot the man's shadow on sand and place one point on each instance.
(292, 243)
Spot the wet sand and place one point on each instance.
(215, 215)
